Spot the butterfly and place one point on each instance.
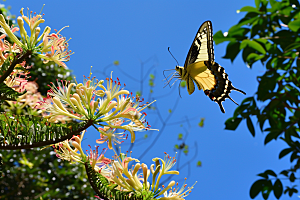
(200, 68)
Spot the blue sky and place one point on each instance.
(138, 33)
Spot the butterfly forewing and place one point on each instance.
(202, 48)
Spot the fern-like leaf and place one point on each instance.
(7, 93)
(25, 131)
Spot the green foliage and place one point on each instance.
(270, 34)
(25, 131)
(48, 177)
(43, 74)
(7, 93)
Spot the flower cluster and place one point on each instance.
(92, 101)
(114, 106)
(117, 171)
(49, 46)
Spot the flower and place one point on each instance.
(127, 179)
(64, 150)
(15, 81)
(97, 161)
(176, 193)
(167, 163)
(72, 151)
(107, 134)
(5, 47)
(60, 97)
(9, 31)
(32, 20)
(55, 47)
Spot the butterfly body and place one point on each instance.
(201, 69)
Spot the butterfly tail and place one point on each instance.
(232, 100)
(221, 106)
(241, 91)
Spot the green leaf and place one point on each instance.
(272, 135)
(277, 188)
(264, 175)
(250, 126)
(232, 123)
(274, 5)
(292, 46)
(247, 21)
(294, 156)
(219, 38)
(267, 189)
(284, 152)
(257, 3)
(7, 93)
(254, 45)
(285, 173)
(294, 25)
(232, 50)
(252, 57)
(270, 172)
(249, 9)
(237, 32)
(292, 177)
(257, 187)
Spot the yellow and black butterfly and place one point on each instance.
(200, 67)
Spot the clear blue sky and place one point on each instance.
(133, 32)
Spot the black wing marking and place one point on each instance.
(223, 87)
(202, 48)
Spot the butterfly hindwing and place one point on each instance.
(223, 86)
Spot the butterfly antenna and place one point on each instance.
(173, 56)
